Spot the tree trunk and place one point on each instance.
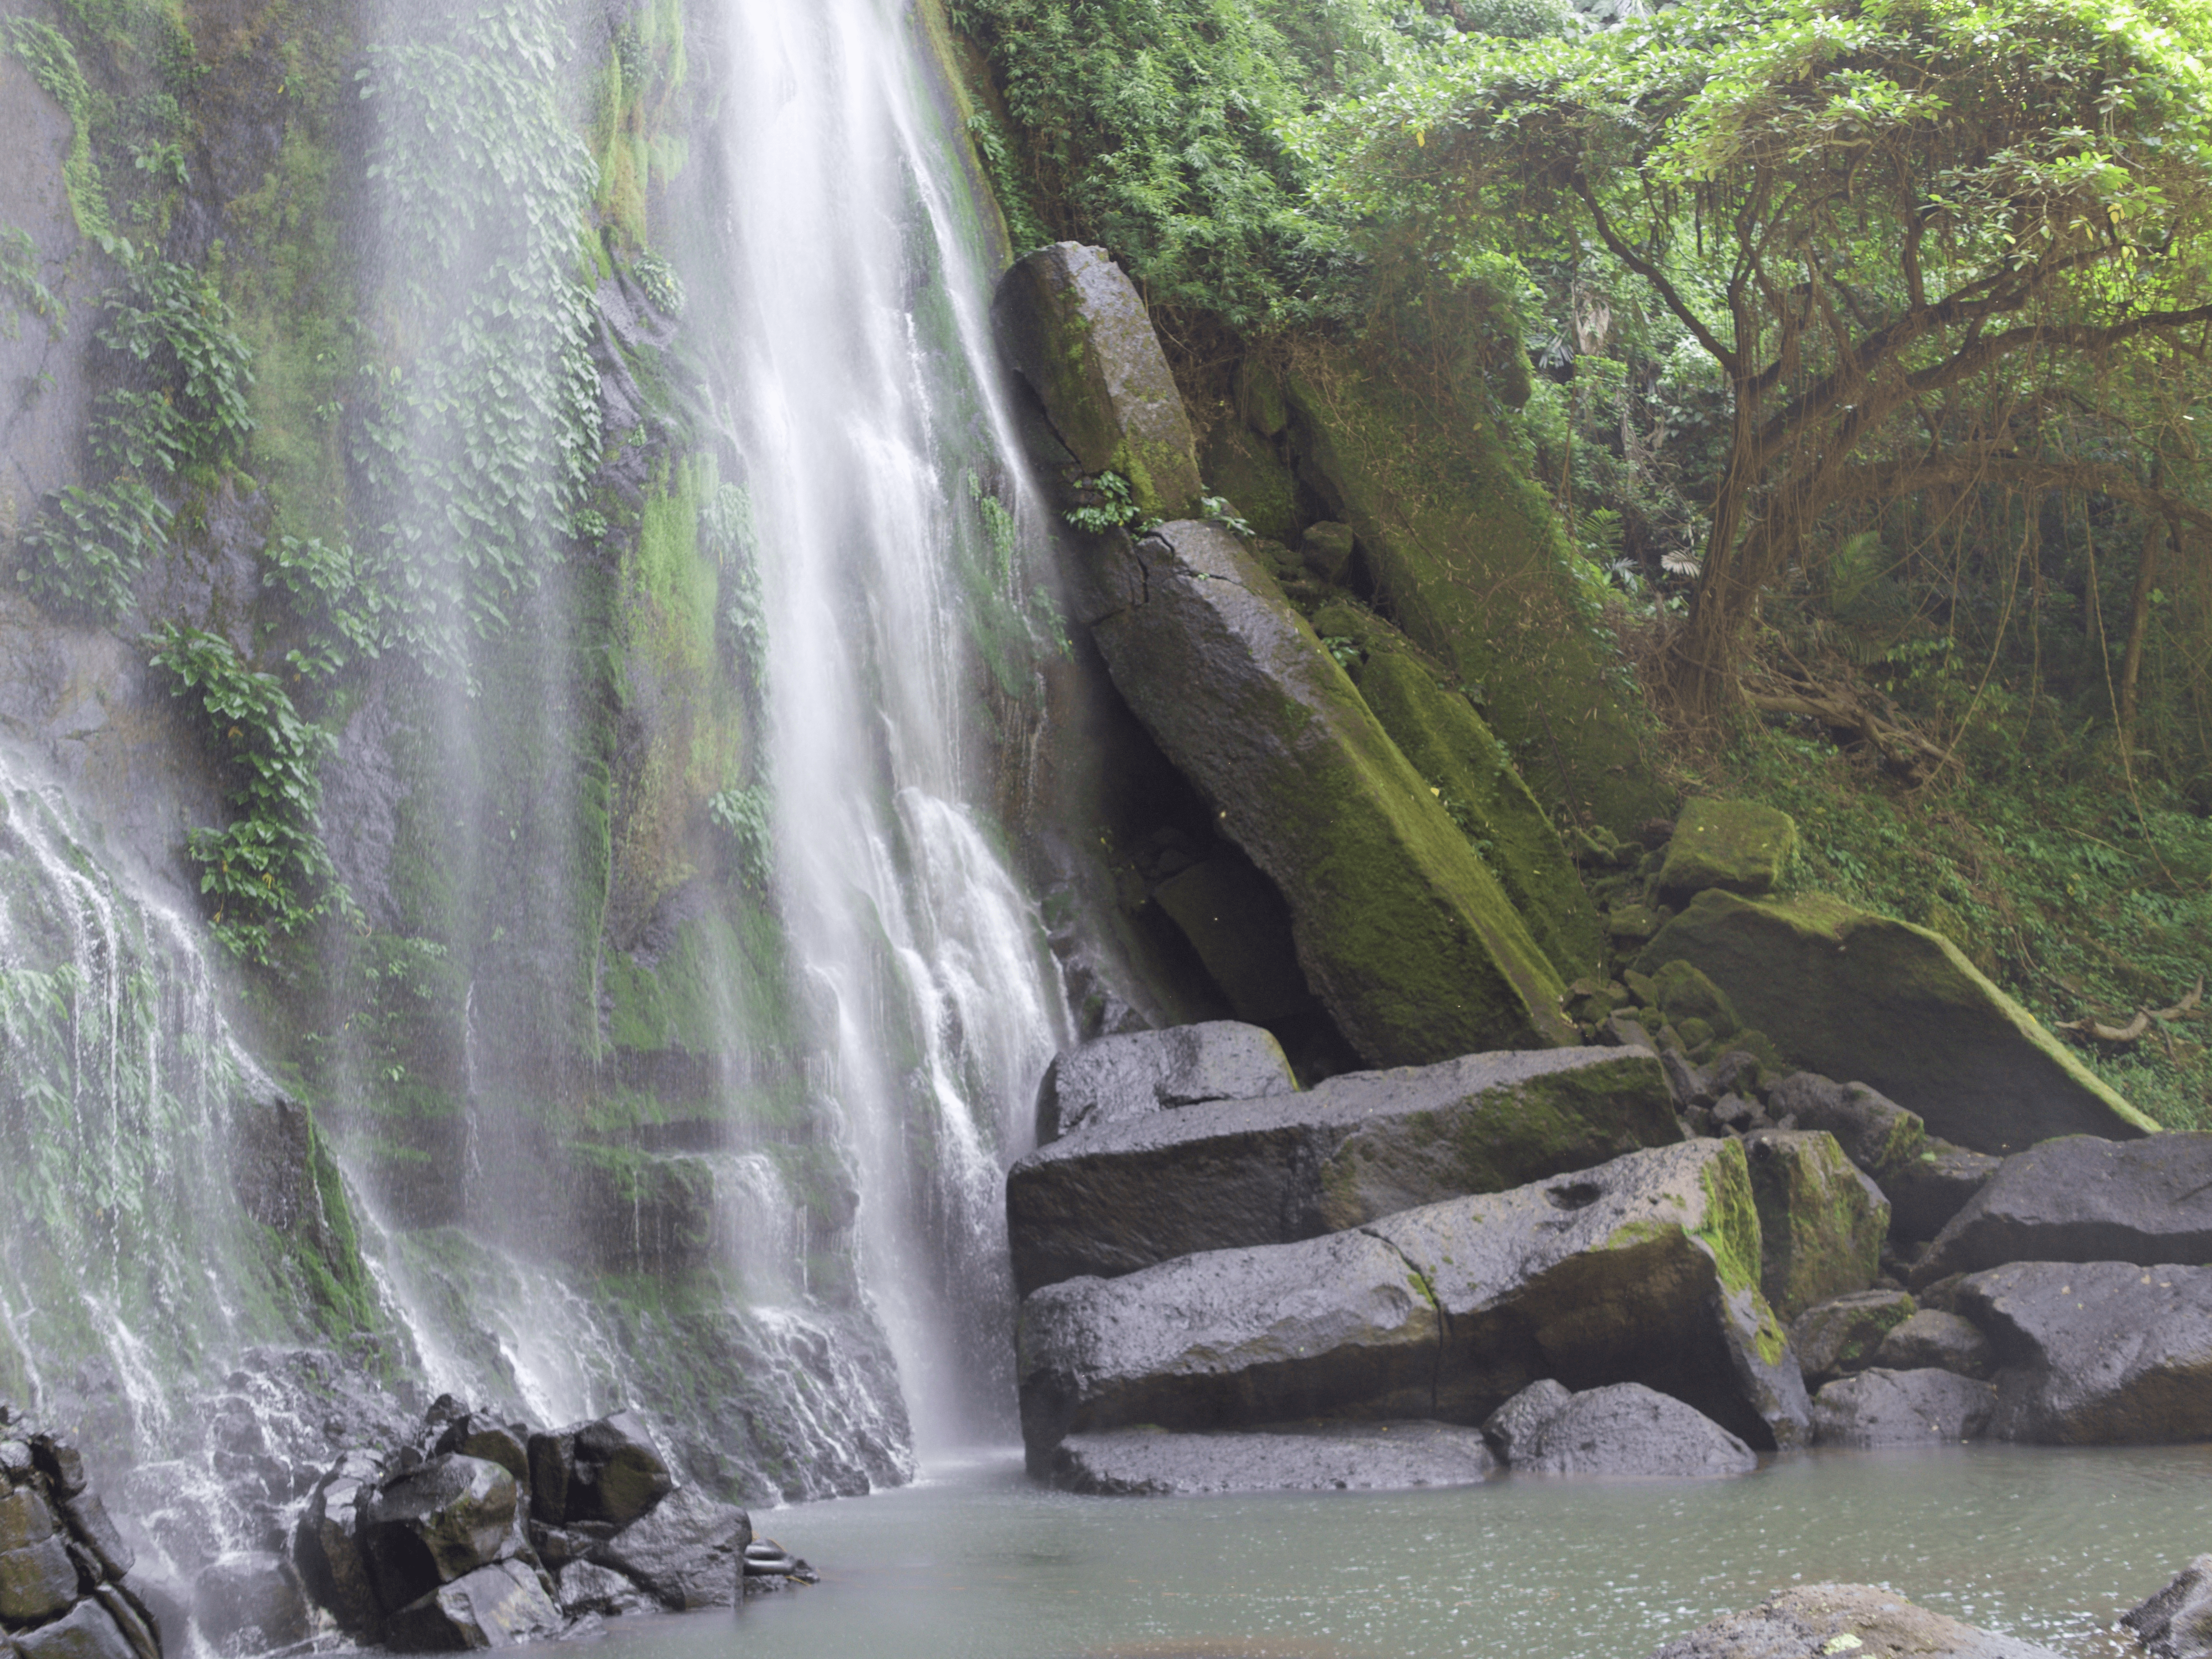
(2138, 622)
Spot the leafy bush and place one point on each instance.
(20, 281)
(745, 813)
(345, 616)
(660, 283)
(269, 872)
(180, 341)
(87, 547)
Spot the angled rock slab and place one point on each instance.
(1643, 1269)
(2097, 1352)
(1074, 326)
(1280, 1457)
(1402, 931)
(1119, 1196)
(1850, 994)
(1833, 1620)
(2083, 1199)
(501, 1606)
(1112, 1078)
(1881, 1407)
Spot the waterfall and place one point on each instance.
(887, 503)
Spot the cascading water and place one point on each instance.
(887, 507)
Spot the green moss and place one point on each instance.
(1470, 563)
(53, 62)
(1738, 846)
(1730, 1233)
(1474, 779)
(1821, 1232)
(1684, 994)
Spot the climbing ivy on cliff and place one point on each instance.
(475, 438)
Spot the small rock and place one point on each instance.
(26, 1518)
(1627, 1429)
(1925, 1192)
(1842, 1334)
(1327, 551)
(1943, 1341)
(59, 1460)
(1123, 1077)
(1817, 1619)
(1902, 1408)
(1514, 1426)
(139, 1631)
(477, 1436)
(2176, 1622)
(326, 1545)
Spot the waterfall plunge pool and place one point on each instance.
(974, 1562)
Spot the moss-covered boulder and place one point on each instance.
(1470, 560)
(1845, 1334)
(1072, 325)
(1820, 1221)
(1737, 846)
(1681, 993)
(1403, 932)
(1851, 995)
(1643, 1269)
(1120, 1196)
(1474, 781)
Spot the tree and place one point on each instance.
(1860, 211)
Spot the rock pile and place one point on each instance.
(486, 1533)
(64, 1589)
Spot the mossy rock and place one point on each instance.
(1471, 561)
(1860, 997)
(1684, 994)
(1737, 846)
(1821, 1222)
(1476, 784)
(1073, 325)
(1244, 467)
(1403, 932)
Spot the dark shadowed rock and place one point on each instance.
(1643, 1269)
(2082, 1198)
(1403, 932)
(1926, 1191)
(2176, 1622)
(87, 1521)
(1116, 1078)
(1842, 1334)
(1821, 1221)
(606, 1470)
(504, 1444)
(89, 1632)
(1934, 1338)
(434, 1524)
(37, 1580)
(249, 1604)
(1875, 1132)
(586, 1587)
(1073, 326)
(2097, 1352)
(686, 1552)
(57, 1458)
(1850, 994)
(1627, 1429)
(1513, 1427)
(140, 1633)
(500, 1606)
(1115, 1197)
(1295, 1457)
(327, 1543)
(1812, 1622)
(1902, 1408)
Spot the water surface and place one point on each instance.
(975, 1563)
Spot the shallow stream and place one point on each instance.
(975, 1563)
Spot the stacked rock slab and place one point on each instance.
(1401, 931)
(1643, 1269)
(1114, 1079)
(1118, 1196)
(1849, 994)
(63, 1567)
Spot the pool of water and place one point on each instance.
(975, 1563)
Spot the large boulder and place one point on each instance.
(1881, 1407)
(1627, 1429)
(1282, 1457)
(37, 1580)
(1140, 1072)
(326, 1543)
(249, 1602)
(1850, 994)
(89, 1631)
(1875, 1132)
(1073, 326)
(688, 1553)
(2097, 1352)
(1643, 1269)
(501, 1606)
(1118, 1196)
(1736, 846)
(1820, 1220)
(1818, 1621)
(1512, 1429)
(1926, 1191)
(606, 1470)
(1402, 930)
(435, 1522)
(2176, 1622)
(2083, 1199)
